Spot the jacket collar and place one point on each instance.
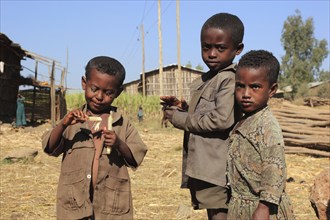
(200, 85)
(245, 127)
(199, 82)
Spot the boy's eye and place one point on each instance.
(239, 85)
(206, 46)
(221, 48)
(110, 92)
(254, 86)
(93, 88)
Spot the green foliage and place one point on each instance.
(74, 100)
(128, 104)
(6, 161)
(302, 91)
(199, 67)
(188, 65)
(324, 91)
(324, 76)
(303, 53)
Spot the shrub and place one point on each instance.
(127, 103)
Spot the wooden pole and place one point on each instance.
(143, 61)
(67, 66)
(52, 95)
(161, 90)
(34, 92)
(180, 81)
(63, 76)
(61, 102)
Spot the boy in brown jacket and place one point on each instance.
(98, 144)
(210, 116)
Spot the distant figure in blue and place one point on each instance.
(20, 111)
(140, 114)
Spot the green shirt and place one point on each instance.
(256, 166)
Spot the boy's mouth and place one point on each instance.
(246, 104)
(213, 64)
(96, 105)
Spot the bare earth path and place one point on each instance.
(28, 189)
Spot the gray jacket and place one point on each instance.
(207, 124)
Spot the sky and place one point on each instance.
(73, 32)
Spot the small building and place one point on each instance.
(314, 85)
(11, 55)
(171, 80)
(51, 107)
(132, 87)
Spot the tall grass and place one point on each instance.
(74, 100)
(128, 104)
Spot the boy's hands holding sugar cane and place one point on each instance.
(110, 138)
(73, 117)
(112, 141)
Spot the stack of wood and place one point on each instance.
(316, 101)
(306, 130)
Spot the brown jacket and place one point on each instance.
(112, 197)
(207, 125)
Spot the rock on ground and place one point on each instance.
(320, 195)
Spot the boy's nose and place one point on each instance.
(213, 53)
(246, 93)
(99, 95)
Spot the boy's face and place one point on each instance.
(101, 89)
(218, 50)
(253, 89)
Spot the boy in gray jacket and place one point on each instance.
(210, 116)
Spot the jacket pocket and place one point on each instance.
(207, 101)
(116, 196)
(72, 192)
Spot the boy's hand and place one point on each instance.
(169, 111)
(110, 138)
(173, 101)
(73, 117)
(262, 211)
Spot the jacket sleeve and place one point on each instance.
(215, 110)
(136, 145)
(273, 172)
(57, 151)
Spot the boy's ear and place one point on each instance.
(240, 48)
(83, 82)
(273, 89)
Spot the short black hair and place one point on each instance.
(261, 59)
(228, 22)
(106, 65)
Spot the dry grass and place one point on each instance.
(28, 188)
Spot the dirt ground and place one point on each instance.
(28, 188)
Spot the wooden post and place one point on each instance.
(180, 81)
(143, 61)
(61, 102)
(161, 90)
(63, 75)
(34, 92)
(67, 66)
(52, 95)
